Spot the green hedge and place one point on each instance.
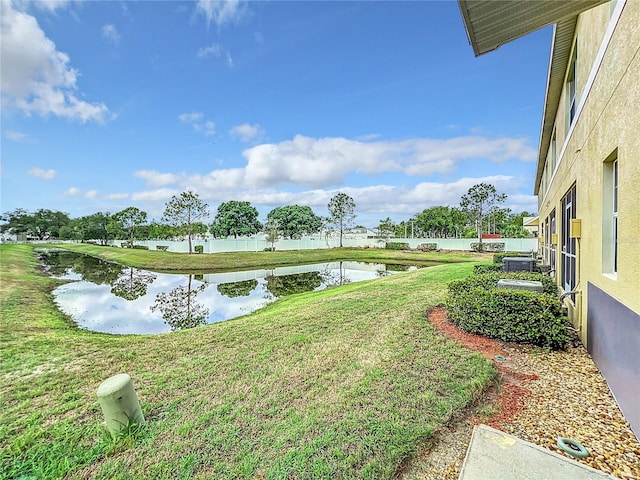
(476, 305)
(397, 246)
(487, 247)
(494, 267)
(140, 247)
(489, 281)
(162, 248)
(198, 249)
(428, 247)
(269, 249)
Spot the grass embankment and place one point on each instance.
(342, 383)
(168, 261)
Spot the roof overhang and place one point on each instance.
(492, 23)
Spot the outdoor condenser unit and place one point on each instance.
(518, 264)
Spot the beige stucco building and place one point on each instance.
(588, 170)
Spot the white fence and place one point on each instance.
(259, 244)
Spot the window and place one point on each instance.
(553, 151)
(550, 247)
(569, 247)
(610, 215)
(571, 89)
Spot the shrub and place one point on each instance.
(487, 247)
(198, 249)
(126, 244)
(476, 305)
(397, 246)
(140, 247)
(489, 281)
(428, 247)
(497, 257)
(269, 249)
(494, 267)
(162, 248)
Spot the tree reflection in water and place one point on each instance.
(283, 285)
(335, 278)
(237, 289)
(133, 284)
(179, 307)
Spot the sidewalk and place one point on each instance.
(496, 455)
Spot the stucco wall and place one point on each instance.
(608, 120)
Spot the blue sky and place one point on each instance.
(107, 105)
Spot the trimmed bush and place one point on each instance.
(397, 246)
(428, 247)
(497, 257)
(126, 244)
(487, 247)
(162, 248)
(269, 249)
(198, 249)
(510, 315)
(489, 281)
(476, 305)
(140, 247)
(494, 267)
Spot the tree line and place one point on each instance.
(185, 214)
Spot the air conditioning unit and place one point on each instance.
(518, 264)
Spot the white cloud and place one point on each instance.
(42, 174)
(162, 194)
(91, 194)
(215, 50)
(324, 162)
(35, 76)
(247, 132)
(116, 196)
(15, 136)
(111, 33)
(221, 12)
(50, 5)
(157, 179)
(195, 119)
(72, 192)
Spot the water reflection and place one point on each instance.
(179, 308)
(110, 298)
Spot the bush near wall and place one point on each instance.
(162, 248)
(510, 315)
(487, 268)
(397, 246)
(487, 247)
(140, 247)
(427, 247)
(198, 249)
(489, 281)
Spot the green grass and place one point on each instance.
(167, 261)
(341, 383)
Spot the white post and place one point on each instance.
(119, 403)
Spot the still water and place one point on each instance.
(107, 297)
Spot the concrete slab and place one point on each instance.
(496, 455)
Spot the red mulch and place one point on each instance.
(512, 397)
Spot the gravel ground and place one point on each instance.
(541, 396)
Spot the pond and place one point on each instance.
(111, 298)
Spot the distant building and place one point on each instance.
(531, 225)
(588, 170)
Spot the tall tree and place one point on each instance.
(295, 221)
(272, 232)
(235, 218)
(183, 210)
(386, 228)
(130, 218)
(341, 211)
(43, 223)
(480, 201)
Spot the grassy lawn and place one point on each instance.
(167, 261)
(341, 383)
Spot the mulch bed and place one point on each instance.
(542, 396)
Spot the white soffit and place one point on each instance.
(492, 23)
